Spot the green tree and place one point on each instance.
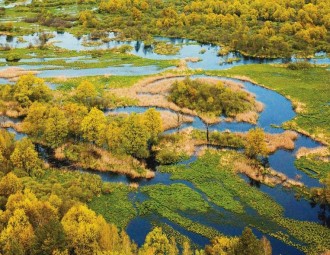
(6, 149)
(93, 126)
(56, 127)
(39, 212)
(153, 122)
(186, 249)
(83, 230)
(17, 237)
(114, 136)
(255, 143)
(25, 158)
(50, 237)
(86, 93)
(248, 244)
(75, 113)
(10, 184)
(135, 136)
(157, 241)
(34, 123)
(29, 89)
(222, 246)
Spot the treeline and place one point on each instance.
(215, 100)
(74, 126)
(254, 27)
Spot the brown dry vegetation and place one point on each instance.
(267, 176)
(323, 153)
(281, 141)
(12, 109)
(181, 143)
(9, 124)
(13, 73)
(105, 161)
(171, 120)
(153, 91)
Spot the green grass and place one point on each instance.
(100, 82)
(116, 206)
(223, 186)
(313, 167)
(103, 58)
(172, 201)
(248, 205)
(310, 87)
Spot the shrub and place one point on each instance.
(300, 65)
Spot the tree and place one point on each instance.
(56, 127)
(39, 212)
(50, 237)
(255, 143)
(186, 249)
(25, 158)
(17, 237)
(6, 149)
(93, 126)
(83, 230)
(157, 242)
(75, 113)
(34, 123)
(248, 244)
(266, 246)
(29, 89)
(153, 122)
(113, 136)
(173, 247)
(135, 136)
(87, 19)
(222, 245)
(10, 184)
(86, 93)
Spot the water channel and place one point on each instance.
(277, 110)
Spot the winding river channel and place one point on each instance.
(277, 110)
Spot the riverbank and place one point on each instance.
(308, 87)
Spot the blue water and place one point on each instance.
(188, 49)
(277, 111)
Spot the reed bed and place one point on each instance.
(104, 161)
(281, 141)
(153, 92)
(323, 153)
(13, 73)
(267, 176)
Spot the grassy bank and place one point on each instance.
(309, 91)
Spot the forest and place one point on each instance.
(152, 127)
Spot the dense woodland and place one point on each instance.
(255, 28)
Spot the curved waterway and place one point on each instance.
(277, 111)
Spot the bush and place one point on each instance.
(13, 57)
(301, 65)
(167, 156)
(207, 98)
